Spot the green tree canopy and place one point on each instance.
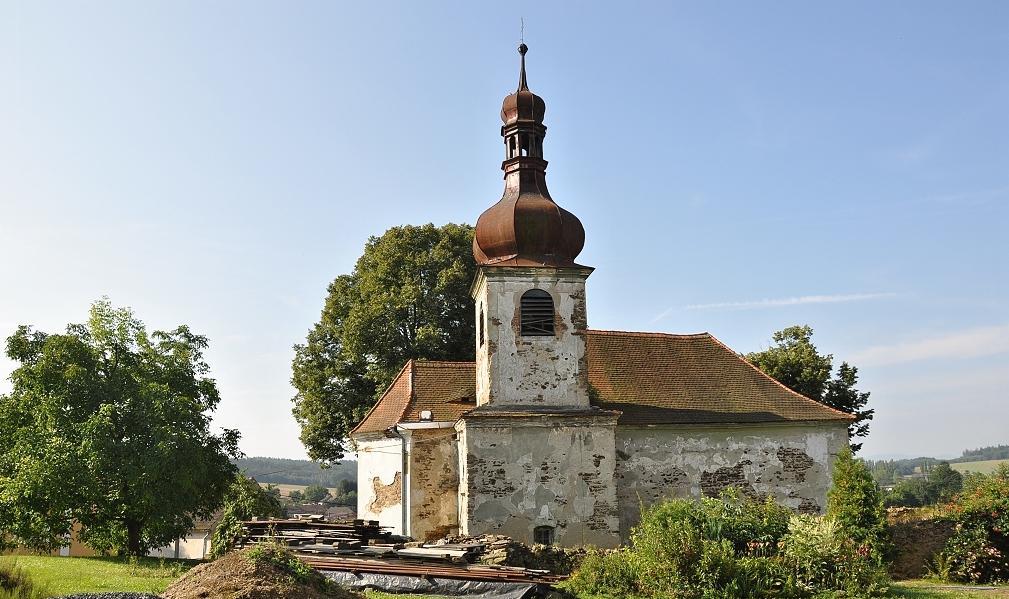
(408, 297)
(109, 426)
(795, 362)
(316, 493)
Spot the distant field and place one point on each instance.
(285, 490)
(984, 466)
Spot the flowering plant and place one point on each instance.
(978, 551)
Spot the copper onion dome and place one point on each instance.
(526, 227)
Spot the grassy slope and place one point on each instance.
(63, 575)
(983, 466)
(925, 589)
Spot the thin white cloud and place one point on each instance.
(969, 343)
(790, 301)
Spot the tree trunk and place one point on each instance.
(133, 537)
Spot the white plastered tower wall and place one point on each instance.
(513, 370)
(535, 454)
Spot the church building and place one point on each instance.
(559, 433)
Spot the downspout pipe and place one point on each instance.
(404, 468)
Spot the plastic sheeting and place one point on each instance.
(478, 589)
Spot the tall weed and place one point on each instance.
(15, 583)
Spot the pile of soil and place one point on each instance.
(238, 576)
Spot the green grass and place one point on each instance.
(927, 589)
(982, 466)
(64, 575)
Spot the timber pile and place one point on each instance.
(303, 532)
(424, 568)
(362, 546)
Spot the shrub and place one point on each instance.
(731, 547)
(605, 576)
(855, 501)
(243, 500)
(978, 551)
(822, 557)
(15, 584)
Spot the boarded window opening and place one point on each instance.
(537, 313)
(543, 535)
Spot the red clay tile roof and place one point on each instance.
(652, 378)
(390, 408)
(446, 388)
(657, 378)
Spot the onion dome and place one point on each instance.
(523, 105)
(526, 227)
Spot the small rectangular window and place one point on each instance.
(543, 535)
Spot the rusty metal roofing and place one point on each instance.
(651, 378)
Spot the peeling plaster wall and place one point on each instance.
(531, 371)
(380, 480)
(529, 471)
(434, 484)
(791, 463)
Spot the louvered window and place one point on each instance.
(537, 312)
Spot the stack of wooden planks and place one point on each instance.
(298, 533)
(424, 568)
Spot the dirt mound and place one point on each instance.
(255, 574)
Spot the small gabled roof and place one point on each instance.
(447, 389)
(650, 378)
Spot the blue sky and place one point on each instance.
(738, 167)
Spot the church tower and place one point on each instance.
(529, 293)
(536, 459)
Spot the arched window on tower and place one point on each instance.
(537, 314)
(480, 324)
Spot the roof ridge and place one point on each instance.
(700, 335)
(777, 382)
(424, 362)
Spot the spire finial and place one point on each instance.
(523, 85)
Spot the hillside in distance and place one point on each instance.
(297, 472)
(889, 471)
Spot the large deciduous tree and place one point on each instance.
(796, 363)
(109, 426)
(408, 297)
